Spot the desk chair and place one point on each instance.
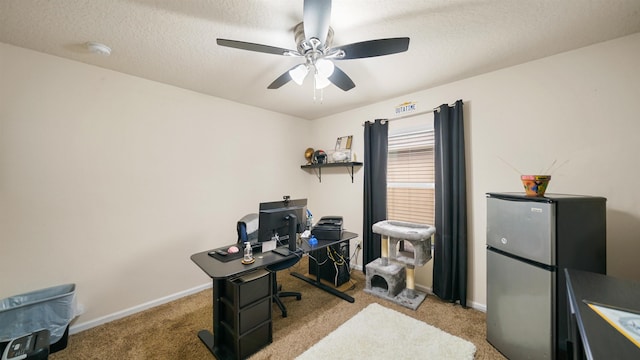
(248, 231)
(278, 294)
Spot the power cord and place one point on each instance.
(355, 253)
(338, 261)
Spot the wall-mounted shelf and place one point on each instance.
(318, 167)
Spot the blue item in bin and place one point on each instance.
(51, 308)
(313, 241)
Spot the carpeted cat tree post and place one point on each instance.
(392, 276)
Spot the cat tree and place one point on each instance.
(392, 276)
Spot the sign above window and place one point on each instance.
(406, 107)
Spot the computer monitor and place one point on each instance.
(283, 219)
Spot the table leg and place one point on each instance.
(208, 338)
(324, 287)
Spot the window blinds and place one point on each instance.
(410, 177)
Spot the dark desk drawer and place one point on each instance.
(247, 344)
(248, 288)
(246, 319)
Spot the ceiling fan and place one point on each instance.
(314, 37)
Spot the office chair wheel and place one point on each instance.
(277, 299)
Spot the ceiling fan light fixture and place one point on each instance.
(324, 67)
(321, 82)
(298, 73)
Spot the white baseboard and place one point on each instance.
(479, 307)
(76, 328)
(471, 304)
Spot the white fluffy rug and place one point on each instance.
(380, 333)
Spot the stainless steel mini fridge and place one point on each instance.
(529, 241)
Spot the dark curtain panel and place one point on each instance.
(450, 250)
(375, 186)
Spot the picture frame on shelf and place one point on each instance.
(342, 150)
(344, 143)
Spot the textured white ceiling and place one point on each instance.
(174, 42)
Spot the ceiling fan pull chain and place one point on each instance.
(321, 95)
(315, 88)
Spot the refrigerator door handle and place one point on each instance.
(551, 268)
(520, 199)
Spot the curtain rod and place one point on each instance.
(413, 114)
(407, 116)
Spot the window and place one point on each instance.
(410, 176)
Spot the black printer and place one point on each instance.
(328, 228)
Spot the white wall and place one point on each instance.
(111, 182)
(579, 108)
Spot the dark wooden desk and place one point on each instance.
(592, 336)
(220, 272)
(223, 270)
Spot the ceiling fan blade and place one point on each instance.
(254, 47)
(281, 80)
(316, 15)
(373, 48)
(341, 80)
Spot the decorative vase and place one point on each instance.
(535, 185)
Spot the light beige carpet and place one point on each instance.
(169, 331)
(378, 332)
